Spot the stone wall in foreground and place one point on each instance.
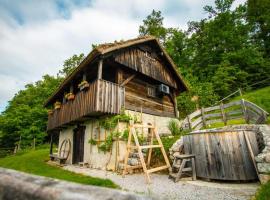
(263, 159)
(22, 186)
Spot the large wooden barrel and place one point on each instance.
(223, 155)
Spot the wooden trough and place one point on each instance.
(223, 154)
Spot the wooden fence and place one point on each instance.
(241, 109)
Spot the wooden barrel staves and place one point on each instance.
(223, 155)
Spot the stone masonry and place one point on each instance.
(16, 185)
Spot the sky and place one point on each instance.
(36, 36)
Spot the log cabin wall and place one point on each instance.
(152, 73)
(147, 63)
(137, 98)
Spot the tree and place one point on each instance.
(25, 115)
(258, 16)
(153, 25)
(70, 64)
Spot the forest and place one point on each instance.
(229, 49)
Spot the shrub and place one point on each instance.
(174, 127)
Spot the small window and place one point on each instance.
(151, 91)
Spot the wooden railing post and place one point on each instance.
(244, 109)
(223, 114)
(203, 117)
(189, 123)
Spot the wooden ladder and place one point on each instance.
(139, 148)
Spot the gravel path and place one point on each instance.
(164, 188)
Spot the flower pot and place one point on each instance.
(83, 85)
(57, 105)
(50, 112)
(70, 96)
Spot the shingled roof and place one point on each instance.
(105, 48)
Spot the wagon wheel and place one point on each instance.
(65, 149)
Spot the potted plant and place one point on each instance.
(83, 85)
(57, 105)
(70, 96)
(50, 112)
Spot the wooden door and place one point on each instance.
(78, 144)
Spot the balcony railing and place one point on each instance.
(102, 97)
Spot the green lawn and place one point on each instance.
(34, 162)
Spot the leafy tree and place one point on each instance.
(70, 64)
(25, 115)
(258, 16)
(153, 25)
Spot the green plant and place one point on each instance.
(174, 127)
(263, 193)
(82, 83)
(92, 141)
(107, 144)
(111, 122)
(124, 135)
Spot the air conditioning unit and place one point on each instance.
(163, 89)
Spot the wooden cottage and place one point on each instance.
(135, 76)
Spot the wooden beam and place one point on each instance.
(127, 80)
(99, 76)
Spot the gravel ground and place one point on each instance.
(164, 188)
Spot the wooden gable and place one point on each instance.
(148, 63)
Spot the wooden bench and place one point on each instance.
(179, 166)
(63, 153)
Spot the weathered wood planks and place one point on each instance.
(101, 96)
(223, 155)
(241, 109)
(143, 62)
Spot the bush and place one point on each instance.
(174, 127)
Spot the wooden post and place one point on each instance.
(84, 76)
(100, 69)
(203, 118)
(189, 123)
(244, 109)
(175, 106)
(34, 143)
(71, 89)
(223, 114)
(51, 144)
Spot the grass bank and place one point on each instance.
(263, 192)
(34, 162)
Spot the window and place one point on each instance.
(151, 91)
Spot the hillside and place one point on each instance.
(261, 97)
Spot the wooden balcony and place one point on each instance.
(102, 97)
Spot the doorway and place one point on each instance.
(78, 144)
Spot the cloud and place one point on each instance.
(37, 36)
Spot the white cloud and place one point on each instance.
(46, 37)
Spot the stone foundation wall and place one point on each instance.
(93, 156)
(263, 159)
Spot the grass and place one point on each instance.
(261, 97)
(263, 192)
(34, 162)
